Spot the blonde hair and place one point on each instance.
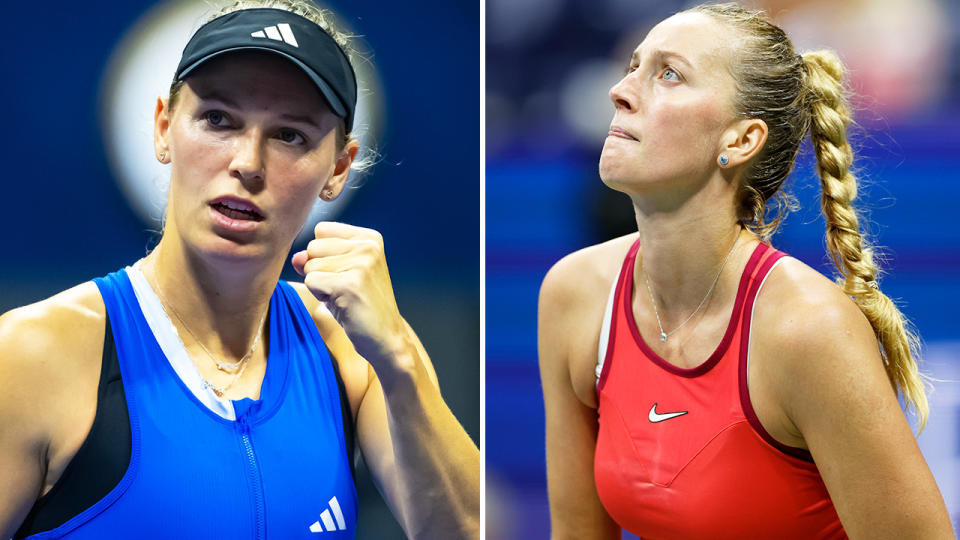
(796, 94)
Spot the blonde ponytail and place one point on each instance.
(851, 253)
(795, 95)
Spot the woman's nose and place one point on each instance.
(623, 96)
(247, 163)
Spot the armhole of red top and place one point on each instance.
(771, 258)
(617, 302)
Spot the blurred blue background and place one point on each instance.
(549, 66)
(66, 220)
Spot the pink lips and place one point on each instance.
(617, 131)
(238, 203)
(235, 213)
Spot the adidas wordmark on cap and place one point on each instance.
(298, 39)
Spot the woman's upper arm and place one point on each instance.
(851, 421)
(23, 439)
(575, 507)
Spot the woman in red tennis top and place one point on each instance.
(698, 382)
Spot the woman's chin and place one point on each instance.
(227, 250)
(617, 170)
(629, 180)
(617, 177)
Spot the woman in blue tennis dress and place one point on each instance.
(193, 394)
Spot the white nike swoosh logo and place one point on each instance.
(655, 417)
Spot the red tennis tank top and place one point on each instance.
(680, 452)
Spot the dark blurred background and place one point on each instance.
(67, 220)
(550, 64)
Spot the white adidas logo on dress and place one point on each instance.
(280, 32)
(327, 520)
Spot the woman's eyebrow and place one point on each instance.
(216, 96)
(302, 119)
(659, 53)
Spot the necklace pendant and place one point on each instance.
(228, 367)
(207, 386)
(663, 337)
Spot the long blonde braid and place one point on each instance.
(793, 95)
(851, 253)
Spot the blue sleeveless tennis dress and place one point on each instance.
(279, 470)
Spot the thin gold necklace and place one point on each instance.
(226, 367)
(665, 335)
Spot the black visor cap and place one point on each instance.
(299, 40)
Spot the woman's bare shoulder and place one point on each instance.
(810, 345)
(51, 350)
(808, 320)
(586, 272)
(38, 333)
(808, 295)
(573, 297)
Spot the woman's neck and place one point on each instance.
(682, 251)
(221, 304)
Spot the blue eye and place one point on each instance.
(291, 136)
(215, 118)
(676, 76)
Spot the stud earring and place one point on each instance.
(724, 159)
(327, 194)
(163, 156)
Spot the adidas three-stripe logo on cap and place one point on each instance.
(280, 32)
(328, 524)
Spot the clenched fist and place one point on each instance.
(345, 268)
